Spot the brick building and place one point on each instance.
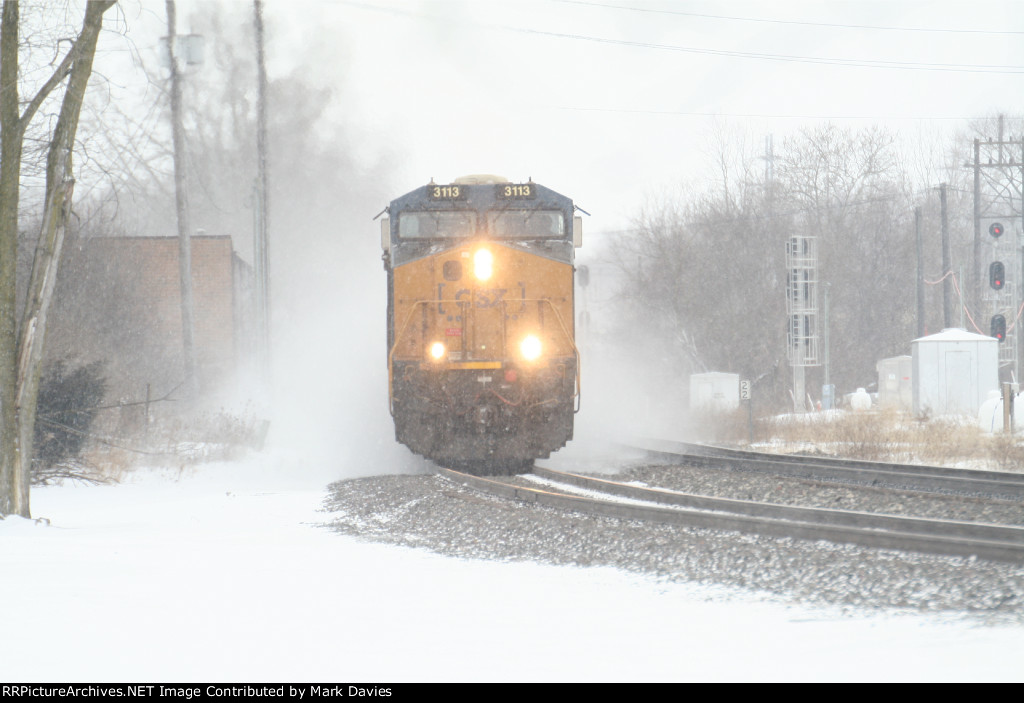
(119, 301)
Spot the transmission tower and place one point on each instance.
(998, 206)
(802, 310)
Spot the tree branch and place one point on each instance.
(60, 73)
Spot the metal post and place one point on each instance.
(828, 380)
(1018, 287)
(947, 284)
(799, 391)
(963, 311)
(976, 279)
(920, 272)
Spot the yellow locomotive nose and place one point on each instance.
(483, 264)
(483, 369)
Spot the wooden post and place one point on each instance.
(188, 326)
(1007, 408)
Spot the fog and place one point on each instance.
(608, 103)
(617, 104)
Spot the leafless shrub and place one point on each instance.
(723, 426)
(893, 436)
(76, 469)
(174, 440)
(1006, 453)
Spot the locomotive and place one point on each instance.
(483, 369)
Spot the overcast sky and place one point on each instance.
(615, 100)
(609, 101)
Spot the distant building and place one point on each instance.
(953, 372)
(714, 391)
(119, 301)
(895, 387)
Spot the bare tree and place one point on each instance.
(22, 338)
(849, 188)
(707, 272)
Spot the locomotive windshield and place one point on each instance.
(524, 216)
(540, 224)
(436, 224)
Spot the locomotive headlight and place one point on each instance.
(530, 348)
(483, 264)
(437, 351)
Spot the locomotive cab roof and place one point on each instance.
(480, 179)
(523, 215)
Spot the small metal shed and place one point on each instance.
(714, 390)
(953, 371)
(895, 389)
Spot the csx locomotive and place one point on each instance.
(483, 369)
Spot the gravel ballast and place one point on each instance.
(431, 512)
(787, 490)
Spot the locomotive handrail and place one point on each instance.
(394, 348)
(401, 335)
(565, 331)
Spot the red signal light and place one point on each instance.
(996, 275)
(996, 229)
(997, 327)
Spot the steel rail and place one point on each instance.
(994, 542)
(908, 476)
(818, 516)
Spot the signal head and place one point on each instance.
(997, 275)
(997, 328)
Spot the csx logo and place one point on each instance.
(483, 298)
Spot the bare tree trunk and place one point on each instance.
(33, 334)
(20, 381)
(11, 133)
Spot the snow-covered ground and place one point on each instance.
(225, 573)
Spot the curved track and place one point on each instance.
(906, 476)
(601, 496)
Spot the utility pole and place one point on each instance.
(825, 334)
(947, 267)
(188, 325)
(261, 252)
(976, 252)
(920, 271)
(998, 203)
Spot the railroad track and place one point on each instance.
(914, 477)
(609, 498)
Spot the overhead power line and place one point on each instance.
(750, 55)
(757, 115)
(861, 63)
(802, 23)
